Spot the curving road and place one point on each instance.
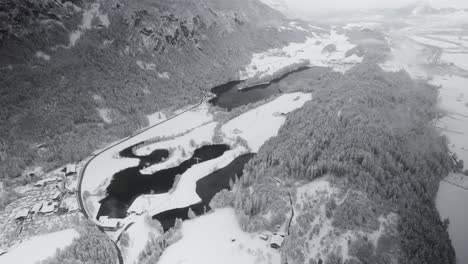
(94, 155)
(83, 170)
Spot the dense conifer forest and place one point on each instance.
(373, 132)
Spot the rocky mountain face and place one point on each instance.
(76, 74)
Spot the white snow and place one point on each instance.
(39, 248)
(258, 125)
(406, 55)
(101, 169)
(156, 118)
(434, 42)
(184, 193)
(458, 59)
(105, 114)
(460, 40)
(313, 196)
(42, 55)
(451, 202)
(86, 23)
(453, 99)
(139, 233)
(182, 149)
(362, 25)
(208, 240)
(271, 61)
(164, 75)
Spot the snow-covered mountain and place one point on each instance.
(281, 6)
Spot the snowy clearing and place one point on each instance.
(139, 233)
(268, 63)
(258, 125)
(458, 59)
(156, 118)
(209, 239)
(42, 55)
(39, 248)
(86, 23)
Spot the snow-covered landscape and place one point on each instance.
(114, 188)
(40, 247)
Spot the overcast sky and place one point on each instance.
(311, 5)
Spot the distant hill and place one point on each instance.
(76, 74)
(424, 8)
(281, 6)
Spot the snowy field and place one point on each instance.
(453, 99)
(434, 42)
(406, 55)
(451, 203)
(182, 147)
(156, 118)
(139, 233)
(101, 169)
(259, 124)
(39, 248)
(458, 59)
(268, 63)
(217, 238)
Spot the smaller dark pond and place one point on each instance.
(128, 184)
(228, 95)
(207, 187)
(153, 158)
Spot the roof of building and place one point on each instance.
(277, 239)
(105, 221)
(22, 213)
(48, 207)
(70, 168)
(56, 195)
(36, 208)
(47, 180)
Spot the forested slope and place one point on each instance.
(370, 133)
(79, 74)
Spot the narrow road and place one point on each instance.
(290, 201)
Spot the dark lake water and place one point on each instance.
(128, 184)
(207, 187)
(228, 96)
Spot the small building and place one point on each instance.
(109, 224)
(36, 208)
(49, 207)
(70, 203)
(264, 236)
(70, 169)
(47, 181)
(22, 214)
(57, 195)
(277, 240)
